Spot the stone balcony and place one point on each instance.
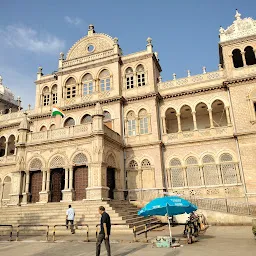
(246, 71)
(60, 134)
(198, 135)
(6, 160)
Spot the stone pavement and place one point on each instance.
(218, 241)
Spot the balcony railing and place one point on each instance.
(62, 133)
(7, 159)
(198, 134)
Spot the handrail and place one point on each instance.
(80, 225)
(11, 226)
(26, 225)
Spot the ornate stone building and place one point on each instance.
(126, 133)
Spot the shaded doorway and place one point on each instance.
(36, 179)
(80, 182)
(111, 183)
(57, 184)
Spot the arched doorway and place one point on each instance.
(111, 178)
(36, 179)
(80, 164)
(6, 190)
(2, 146)
(57, 178)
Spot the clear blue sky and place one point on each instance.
(184, 33)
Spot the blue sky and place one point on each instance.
(184, 33)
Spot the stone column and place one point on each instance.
(126, 127)
(194, 120)
(67, 193)
(66, 178)
(6, 148)
(228, 116)
(44, 180)
(45, 193)
(243, 57)
(137, 126)
(185, 176)
(211, 118)
(164, 125)
(179, 122)
(149, 125)
(25, 194)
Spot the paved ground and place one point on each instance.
(217, 241)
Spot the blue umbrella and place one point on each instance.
(167, 206)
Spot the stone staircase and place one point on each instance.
(121, 212)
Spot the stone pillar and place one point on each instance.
(149, 125)
(27, 182)
(67, 193)
(185, 176)
(228, 116)
(179, 122)
(45, 193)
(164, 125)
(25, 194)
(243, 57)
(126, 127)
(6, 148)
(194, 120)
(137, 126)
(211, 118)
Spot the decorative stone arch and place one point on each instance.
(52, 84)
(43, 128)
(207, 153)
(36, 156)
(170, 106)
(110, 111)
(57, 161)
(215, 98)
(126, 67)
(35, 164)
(170, 157)
(176, 173)
(146, 157)
(85, 73)
(142, 106)
(143, 64)
(66, 118)
(111, 160)
(101, 69)
(128, 110)
(52, 126)
(194, 178)
(79, 159)
(226, 151)
(201, 101)
(181, 105)
(67, 78)
(45, 89)
(132, 164)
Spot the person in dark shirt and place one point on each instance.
(105, 228)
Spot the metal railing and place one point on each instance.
(46, 226)
(11, 231)
(75, 225)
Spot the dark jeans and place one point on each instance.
(71, 225)
(100, 239)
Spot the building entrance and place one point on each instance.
(57, 184)
(35, 185)
(111, 183)
(80, 182)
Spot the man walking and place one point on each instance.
(105, 227)
(70, 216)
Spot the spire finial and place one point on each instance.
(221, 30)
(238, 15)
(91, 30)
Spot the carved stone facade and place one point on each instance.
(128, 134)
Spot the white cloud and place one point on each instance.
(31, 40)
(73, 21)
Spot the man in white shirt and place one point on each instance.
(70, 216)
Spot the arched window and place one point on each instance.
(52, 127)
(11, 145)
(237, 58)
(54, 94)
(69, 122)
(249, 56)
(171, 121)
(193, 172)
(202, 116)
(143, 119)
(145, 164)
(211, 175)
(104, 80)
(107, 119)
(133, 164)
(43, 129)
(2, 146)
(228, 169)
(71, 88)
(87, 84)
(148, 175)
(129, 78)
(219, 114)
(131, 123)
(80, 159)
(186, 119)
(7, 187)
(46, 96)
(176, 172)
(86, 119)
(140, 75)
